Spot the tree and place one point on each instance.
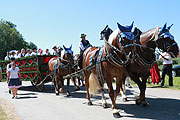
(11, 39)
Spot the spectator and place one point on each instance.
(7, 56)
(167, 68)
(22, 54)
(34, 51)
(47, 52)
(28, 52)
(8, 67)
(155, 74)
(13, 79)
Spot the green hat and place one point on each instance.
(83, 35)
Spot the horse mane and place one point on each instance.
(62, 53)
(151, 34)
(113, 35)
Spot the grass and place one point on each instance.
(3, 115)
(176, 83)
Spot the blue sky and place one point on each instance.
(60, 22)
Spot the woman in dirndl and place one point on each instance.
(13, 79)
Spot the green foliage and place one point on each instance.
(11, 39)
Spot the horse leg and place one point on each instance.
(75, 86)
(56, 85)
(68, 93)
(123, 91)
(104, 103)
(111, 95)
(140, 85)
(142, 94)
(86, 78)
(62, 84)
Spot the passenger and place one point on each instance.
(28, 52)
(7, 56)
(55, 52)
(47, 52)
(34, 51)
(22, 54)
(18, 54)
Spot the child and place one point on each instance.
(13, 79)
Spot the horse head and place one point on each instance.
(67, 53)
(166, 41)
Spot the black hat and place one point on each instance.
(34, 48)
(54, 47)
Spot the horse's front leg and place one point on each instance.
(68, 82)
(111, 95)
(142, 93)
(56, 85)
(61, 84)
(75, 86)
(120, 85)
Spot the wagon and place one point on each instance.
(32, 68)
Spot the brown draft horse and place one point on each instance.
(113, 62)
(60, 67)
(144, 56)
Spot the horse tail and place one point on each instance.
(94, 85)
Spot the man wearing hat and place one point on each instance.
(55, 52)
(83, 45)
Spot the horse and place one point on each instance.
(62, 66)
(101, 65)
(80, 79)
(144, 56)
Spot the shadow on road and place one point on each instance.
(159, 109)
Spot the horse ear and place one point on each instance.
(131, 26)
(163, 28)
(64, 47)
(70, 47)
(168, 28)
(121, 28)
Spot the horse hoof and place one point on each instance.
(116, 115)
(124, 99)
(78, 88)
(61, 90)
(68, 94)
(104, 106)
(89, 103)
(145, 104)
(138, 102)
(57, 93)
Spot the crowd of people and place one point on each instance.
(28, 52)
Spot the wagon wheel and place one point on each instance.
(41, 86)
(33, 84)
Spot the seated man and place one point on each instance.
(83, 45)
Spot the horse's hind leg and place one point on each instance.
(142, 93)
(86, 78)
(75, 86)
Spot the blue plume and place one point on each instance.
(64, 47)
(125, 28)
(70, 47)
(131, 26)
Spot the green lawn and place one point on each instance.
(176, 83)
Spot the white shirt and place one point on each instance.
(13, 73)
(168, 57)
(7, 58)
(33, 53)
(27, 54)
